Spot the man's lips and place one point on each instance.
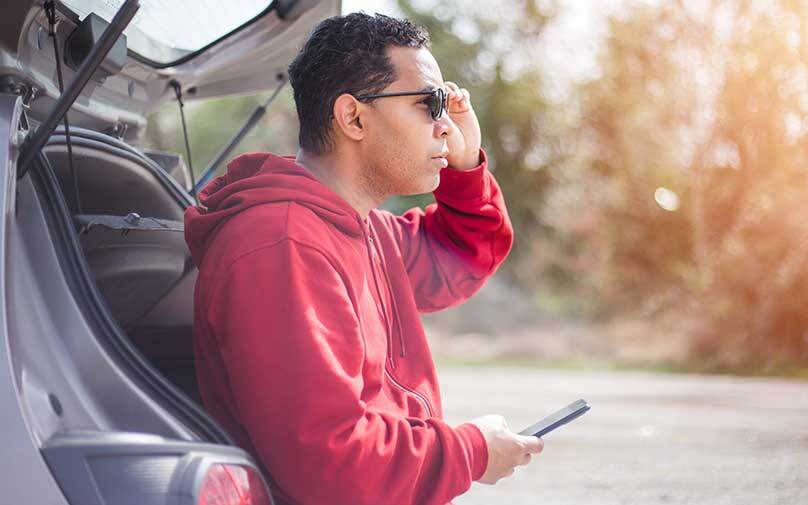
(442, 160)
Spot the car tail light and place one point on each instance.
(233, 485)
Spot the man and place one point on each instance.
(309, 346)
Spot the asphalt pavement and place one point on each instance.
(649, 438)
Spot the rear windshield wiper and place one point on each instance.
(37, 139)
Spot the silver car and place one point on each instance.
(98, 396)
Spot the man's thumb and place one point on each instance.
(533, 445)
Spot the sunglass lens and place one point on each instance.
(437, 103)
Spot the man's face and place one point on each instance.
(404, 145)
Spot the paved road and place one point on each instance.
(649, 438)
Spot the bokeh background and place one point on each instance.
(654, 158)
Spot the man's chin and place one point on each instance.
(426, 185)
(434, 184)
(430, 185)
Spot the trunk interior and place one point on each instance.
(142, 267)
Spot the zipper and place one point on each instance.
(421, 398)
(388, 326)
(417, 395)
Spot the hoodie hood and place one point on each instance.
(258, 178)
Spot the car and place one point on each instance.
(98, 396)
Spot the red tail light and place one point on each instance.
(233, 485)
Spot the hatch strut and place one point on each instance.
(34, 142)
(50, 12)
(257, 114)
(178, 92)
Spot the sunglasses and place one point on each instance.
(437, 100)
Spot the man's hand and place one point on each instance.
(464, 138)
(506, 450)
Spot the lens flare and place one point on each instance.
(666, 199)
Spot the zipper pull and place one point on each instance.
(372, 244)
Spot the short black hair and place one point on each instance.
(345, 54)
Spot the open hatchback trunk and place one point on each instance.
(97, 379)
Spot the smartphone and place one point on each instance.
(572, 411)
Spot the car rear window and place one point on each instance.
(166, 32)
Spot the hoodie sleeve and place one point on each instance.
(292, 348)
(457, 243)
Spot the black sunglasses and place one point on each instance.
(437, 101)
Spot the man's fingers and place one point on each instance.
(459, 95)
(453, 88)
(533, 445)
(525, 459)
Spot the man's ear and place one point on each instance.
(348, 113)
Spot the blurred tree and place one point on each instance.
(689, 199)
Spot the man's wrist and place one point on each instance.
(472, 161)
(476, 448)
(458, 185)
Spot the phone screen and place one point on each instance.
(572, 411)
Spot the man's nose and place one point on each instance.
(443, 126)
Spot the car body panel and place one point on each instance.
(23, 465)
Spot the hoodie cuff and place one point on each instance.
(476, 448)
(469, 184)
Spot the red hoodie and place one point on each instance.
(310, 351)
